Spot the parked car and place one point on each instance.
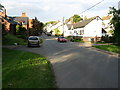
(33, 41)
(62, 39)
(49, 34)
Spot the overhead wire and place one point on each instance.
(92, 7)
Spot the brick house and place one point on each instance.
(11, 22)
(23, 20)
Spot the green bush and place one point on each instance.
(77, 40)
(108, 39)
(21, 36)
(21, 32)
(41, 41)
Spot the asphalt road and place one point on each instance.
(76, 66)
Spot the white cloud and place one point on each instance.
(47, 10)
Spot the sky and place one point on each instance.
(54, 10)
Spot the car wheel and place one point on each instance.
(38, 45)
(28, 45)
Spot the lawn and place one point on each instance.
(25, 70)
(111, 48)
(10, 39)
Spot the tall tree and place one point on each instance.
(37, 27)
(76, 18)
(116, 23)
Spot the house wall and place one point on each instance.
(94, 28)
(93, 31)
(48, 27)
(78, 32)
(56, 26)
(30, 23)
(67, 32)
(7, 25)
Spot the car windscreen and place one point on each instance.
(33, 38)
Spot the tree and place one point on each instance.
(76, 18)
(116, 23)
(20, 30)
(57, 31)
(37, 27)
(50, 22)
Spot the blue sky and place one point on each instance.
(53, 10)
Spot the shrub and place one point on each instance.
(108, 39)
(76, 40)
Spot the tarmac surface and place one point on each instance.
(76, 66)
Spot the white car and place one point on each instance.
(33, 41)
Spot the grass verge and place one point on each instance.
(10, 39)
(111, 48)
(25, 70)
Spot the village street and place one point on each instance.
(76, 66)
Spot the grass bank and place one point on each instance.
(111, 48)
(10, 39)
(25, 70)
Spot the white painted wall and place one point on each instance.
(66, 31)
(93, 28)
(90, 30)
(77, 32)
(48, 27)
(56, 26)
(106, 22)
(60, 28)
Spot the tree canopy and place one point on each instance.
(50, 22)
(76, 18)
(37, 27)
(116, 23)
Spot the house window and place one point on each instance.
(81, 32)
(75, 31)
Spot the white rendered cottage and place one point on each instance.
(87, 29)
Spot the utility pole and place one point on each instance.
(63, 25)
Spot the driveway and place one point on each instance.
(76, 66)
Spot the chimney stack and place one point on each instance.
(23, 14)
